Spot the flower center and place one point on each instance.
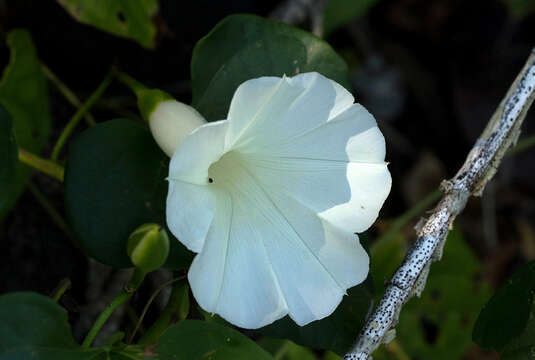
(226, 170)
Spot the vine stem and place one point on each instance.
(63, 286)
(147, 305)
(71, 125)
(67, 93)
(45, 166)
(176, 309)
(125, 295)
(482, 162)
(130, 82)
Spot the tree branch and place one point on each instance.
(481, 164)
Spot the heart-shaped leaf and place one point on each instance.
(194, 339)
(507, 314)
(242, 47)
(34, 327)
(115, 182)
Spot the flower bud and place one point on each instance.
(148, 247)
(169, 120)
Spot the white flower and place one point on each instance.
(270, 200)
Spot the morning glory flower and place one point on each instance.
(271, 199)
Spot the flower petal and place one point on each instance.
(262, 107)
(294, 261)
(352, 135)
(275, 246)
(232, 276)
(197, 152)
(189, 212)
(348, 195)
(339, 251)
(190, 202)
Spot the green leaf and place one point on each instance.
(286, 350)
(242, 47)
(438, 324)
(340, 12)
(506, 315)
(24, 93)
(336, 332)
(8, 156)
(115, 182)
(195, 339)
(523, 346)
(126, 18)
(34, 327)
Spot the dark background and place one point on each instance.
(432, 72)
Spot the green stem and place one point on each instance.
(173, 312)
(62, 287)
(147, 305)
(123, 297)
(78, 115)
(405, 218)
(132, 316)
(130, 82)
(67, 93)
(45, 166)
(52, 212)
(522, 145)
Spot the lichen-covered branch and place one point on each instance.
(481, 164)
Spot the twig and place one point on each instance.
(481, 164)
(405, 218)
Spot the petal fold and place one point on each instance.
(271, 110)
(232, 276)
(190, 202)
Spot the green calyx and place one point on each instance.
(148, 100)
(148, 247)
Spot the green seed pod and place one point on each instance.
(148, 247)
